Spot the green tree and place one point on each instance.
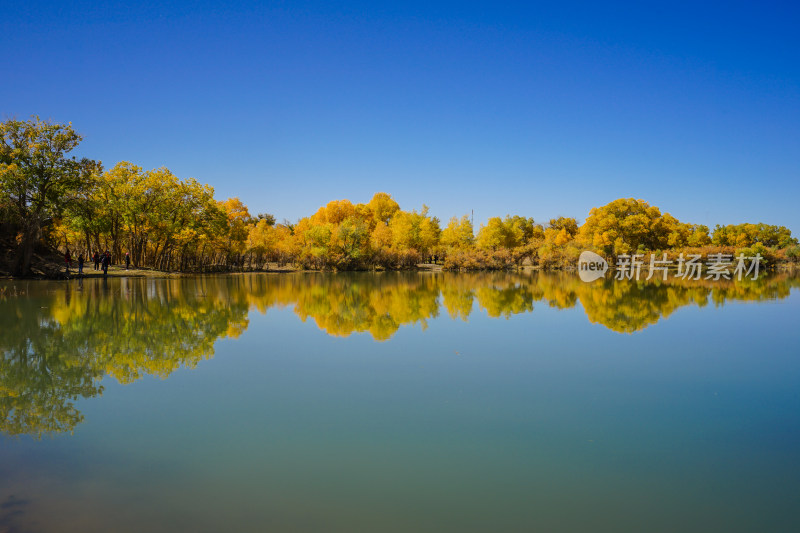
(351, 239)
(37, 178)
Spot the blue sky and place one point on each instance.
(537, 110)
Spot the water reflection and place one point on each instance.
(58, 340)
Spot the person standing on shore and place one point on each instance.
(80, 263)
(106, 261)
(96, 260)
(127, 260)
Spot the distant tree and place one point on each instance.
(458, 233)
(750, 234)
(569, 224)
(494, 235)
(383, 207)
(414, 231)
(269, 219)
(288, 224)
(510, 232)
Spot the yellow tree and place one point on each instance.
(383, 207)
(626, 225)
(749, 234)
(414, 232)
(510, 232)
(458, 234)
(239, 220)
(262, 241)
(493, 235)
(560, 231)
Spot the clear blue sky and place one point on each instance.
(537, 110)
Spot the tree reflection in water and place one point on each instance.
(59, 340)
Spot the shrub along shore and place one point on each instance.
(51, 204)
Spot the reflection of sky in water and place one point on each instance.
(541, 421)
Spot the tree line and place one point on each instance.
(49, 199)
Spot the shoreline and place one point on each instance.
(122, 272)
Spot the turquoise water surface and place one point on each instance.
(397, 402)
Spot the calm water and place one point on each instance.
(399, 403)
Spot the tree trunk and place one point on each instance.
(30, 236)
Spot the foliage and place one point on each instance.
(168, 223)
(510, 232)
(458, 234)
(767, 254)
(793, 254)
(627, 225)
(37, 178)
(743, 235)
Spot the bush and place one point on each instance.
(793, 254)
(767, 254)
(476, 259)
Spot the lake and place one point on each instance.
(398, 402)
